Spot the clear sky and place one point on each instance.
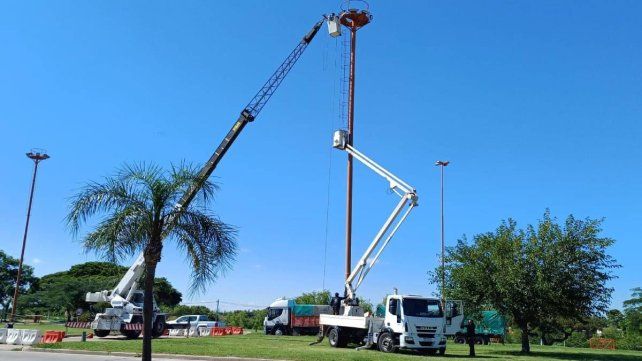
(537, 104)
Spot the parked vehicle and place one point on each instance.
(194, 321)
(286, 317)
(491, 325)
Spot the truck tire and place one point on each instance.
(278, 331)
(335, 338)
(101, 333)
(460, 339)
(158, 328)
(386, 343)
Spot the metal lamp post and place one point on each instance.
(442, 164)
(37, 156)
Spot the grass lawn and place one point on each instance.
(297, 348)
(44, 326)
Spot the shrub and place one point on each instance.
(630, 342)
(577, 339)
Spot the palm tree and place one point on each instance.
(138, 211)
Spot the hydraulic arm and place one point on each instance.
(128, 283)
(391, 225)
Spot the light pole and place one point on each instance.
(37, 156)
(442, 164)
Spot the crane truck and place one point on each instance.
(126, 312)
(408, 321)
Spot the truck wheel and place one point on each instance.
(158, 328)
(278, 332)
(386, 343)
(460, 339)
(101, 333)
(335, 339)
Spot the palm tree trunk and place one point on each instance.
(148, 310)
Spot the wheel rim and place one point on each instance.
(333, 337)
(278, 332)
(386, 343)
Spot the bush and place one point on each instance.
(577, 339)
(612, 332)
(630, 342)
(85, 317)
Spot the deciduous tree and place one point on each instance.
(537, 275)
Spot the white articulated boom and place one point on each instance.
(408, 198)
(408, 321)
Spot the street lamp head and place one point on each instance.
(38, 154)
(442, 163)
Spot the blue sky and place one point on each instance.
(537, 104)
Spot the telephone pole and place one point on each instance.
(37, 156)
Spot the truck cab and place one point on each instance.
(277, 320)
(413, 322)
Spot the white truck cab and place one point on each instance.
(415, 322)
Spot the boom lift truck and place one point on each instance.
(126, 312)
(409, 322)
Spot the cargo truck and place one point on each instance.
(286, 317)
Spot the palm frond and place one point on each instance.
(97, 198)
(209, 243)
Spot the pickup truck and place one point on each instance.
(194, 321)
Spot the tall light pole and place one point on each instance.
(442, 164)
(37, 156)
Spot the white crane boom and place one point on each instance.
(408, 198)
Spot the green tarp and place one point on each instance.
(492, 323)
(310, 310)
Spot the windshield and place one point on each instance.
(422, 308)
(274, 313)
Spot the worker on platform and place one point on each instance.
(470, 337)
(335, 303)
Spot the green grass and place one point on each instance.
(44, 326)
(297, 348)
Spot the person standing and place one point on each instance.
(470, 337)
(335, 303)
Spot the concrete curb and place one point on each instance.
(156, 355)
